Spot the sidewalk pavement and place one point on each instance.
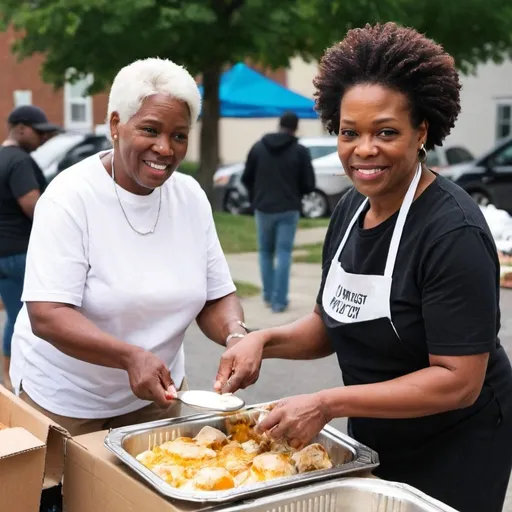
(310, 236)
(304, 283)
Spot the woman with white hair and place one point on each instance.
(123, 257)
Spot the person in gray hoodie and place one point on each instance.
(278, 173)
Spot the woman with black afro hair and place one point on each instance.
(409, 296)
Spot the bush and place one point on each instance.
(189, 168)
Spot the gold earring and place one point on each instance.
(422, 154)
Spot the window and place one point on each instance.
(458, 155)
(78, 106)
(22, 98)
(504, 121)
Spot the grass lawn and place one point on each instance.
(237, 233)
(244, 290)
(309, 254)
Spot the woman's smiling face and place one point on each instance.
(377, 143)
(151, 144)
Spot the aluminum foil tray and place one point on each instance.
(346, 495)
(126, 443)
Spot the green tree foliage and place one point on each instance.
(101, 36)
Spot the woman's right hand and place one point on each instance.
(150, 378)
(241, 362)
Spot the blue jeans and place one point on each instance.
(12, 273)
(276, 233)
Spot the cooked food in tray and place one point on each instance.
(215, 461)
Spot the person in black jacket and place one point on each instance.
(278, 172)
(21, 184)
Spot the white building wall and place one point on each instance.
(476, 126)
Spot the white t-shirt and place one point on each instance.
(144, 290)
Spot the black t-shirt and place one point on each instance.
(19, 174)
(444, 297)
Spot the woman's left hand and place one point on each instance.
(297, 419)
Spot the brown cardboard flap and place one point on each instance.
(14, 441)
(21, 473)
(54, 471)
(83, 491)
(28, 417)
(95, 479)
(16, 413)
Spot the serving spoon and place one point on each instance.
(210, 400)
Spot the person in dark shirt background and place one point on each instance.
(278, 172)
(21, 184)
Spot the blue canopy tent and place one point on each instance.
(245, 93)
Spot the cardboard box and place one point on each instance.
(95, 480)
(14, 412)
(22, 458)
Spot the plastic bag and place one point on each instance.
(500, 224)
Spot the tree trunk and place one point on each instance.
(209, 139)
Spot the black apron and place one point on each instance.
(462, 458)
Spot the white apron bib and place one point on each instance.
(350, 298)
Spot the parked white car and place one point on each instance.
(66, 149)
(331, 182)
(441, 157)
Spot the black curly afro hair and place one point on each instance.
(396, 57)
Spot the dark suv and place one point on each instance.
(487, 179)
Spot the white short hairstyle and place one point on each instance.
(143, 78)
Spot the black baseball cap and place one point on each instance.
(32, 116)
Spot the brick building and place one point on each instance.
(21, 83)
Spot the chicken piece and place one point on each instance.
(183, 449)
(235, 459)
(241, 431)
(211, 437)
(254, 447)
(281, 446)
(241, 478)
(270, 465)
(211, 479)
(172, 474)
(312, 458)
(148, 458)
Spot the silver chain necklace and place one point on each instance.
(124, 213)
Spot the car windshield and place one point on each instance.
(55, 148)
(458, 155)
(432, 158)
(504, 157)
